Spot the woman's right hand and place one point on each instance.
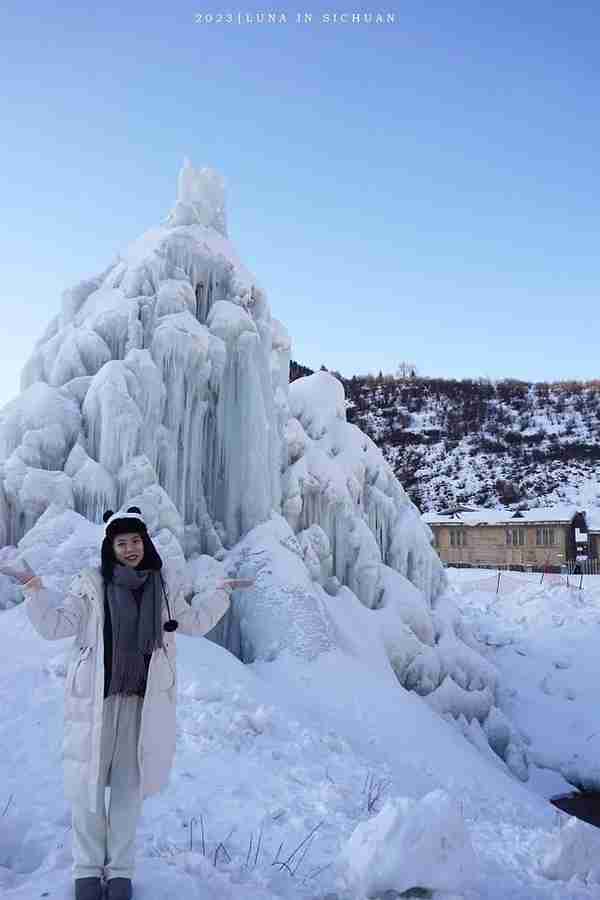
(230, 584)
(23, 575)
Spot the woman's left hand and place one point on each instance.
(34, 584)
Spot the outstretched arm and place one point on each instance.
(54, 615)
(197, 621)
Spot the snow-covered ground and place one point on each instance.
(388, 794)
(543, 636)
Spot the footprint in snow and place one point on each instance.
(562, 663)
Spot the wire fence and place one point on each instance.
(507, 582)
(570, 567)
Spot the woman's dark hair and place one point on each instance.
(122, 525)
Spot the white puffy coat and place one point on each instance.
(81, 613)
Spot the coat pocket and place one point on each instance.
(166, 674)
(79, 679)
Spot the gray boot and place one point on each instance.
(119, 889)
(88, 888)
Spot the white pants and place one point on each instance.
(102, 842)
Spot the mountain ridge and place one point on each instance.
(479, 441)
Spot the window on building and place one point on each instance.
(544, 537)
(457, 537)
(515, 537)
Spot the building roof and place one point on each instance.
(556, 514)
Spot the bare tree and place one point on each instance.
(406, 370)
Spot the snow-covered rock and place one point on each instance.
(410, 844)
(572, 851)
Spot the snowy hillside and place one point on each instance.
(163, 383)
(481, 442)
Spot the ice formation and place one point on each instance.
(164, 382)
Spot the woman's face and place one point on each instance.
(129, 548)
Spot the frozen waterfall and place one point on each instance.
(164, 381)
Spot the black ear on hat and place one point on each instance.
(135, 509)
(107, 515)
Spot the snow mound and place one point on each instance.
(410, 844)
(573, 852)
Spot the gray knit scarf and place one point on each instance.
(134, 632)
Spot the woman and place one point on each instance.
(120, 692)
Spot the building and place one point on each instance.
(592, 518)
(540, 538)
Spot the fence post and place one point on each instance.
(545, 569)
(498, 585)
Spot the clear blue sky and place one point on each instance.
(427, 190)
